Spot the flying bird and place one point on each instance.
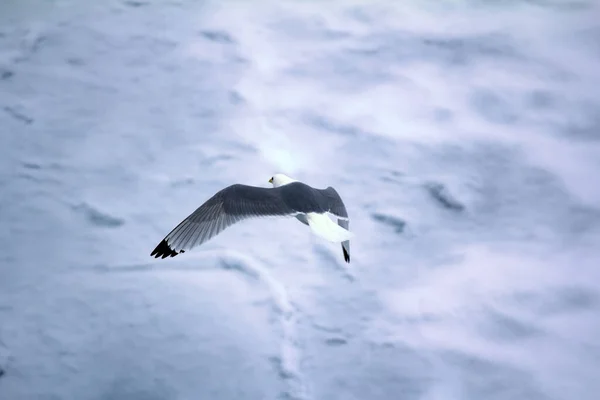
(287, 198)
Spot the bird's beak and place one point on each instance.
(271, 180)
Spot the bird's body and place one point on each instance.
(234, 203)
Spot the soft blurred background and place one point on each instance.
(464, 137)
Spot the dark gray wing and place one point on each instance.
(225, 208)
(336, 207)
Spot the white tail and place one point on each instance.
(321, 225)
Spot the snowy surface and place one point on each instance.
(464, 137)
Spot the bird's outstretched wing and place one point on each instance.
(336, 207)
(225, 208)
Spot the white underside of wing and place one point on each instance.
(322, 226)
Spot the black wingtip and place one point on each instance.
(163, 250)
(346, 255)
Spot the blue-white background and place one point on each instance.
(463, 135)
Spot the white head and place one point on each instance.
(280, 180)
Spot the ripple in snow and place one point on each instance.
(557, 300)
(5, 73)
(135, 4)
(4, 356)
(506, 328)
(288, 359)
(396, 223)
(18, 115)
(218, 36)
(440, 193)
(97, 217)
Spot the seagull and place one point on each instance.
(287, 198)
